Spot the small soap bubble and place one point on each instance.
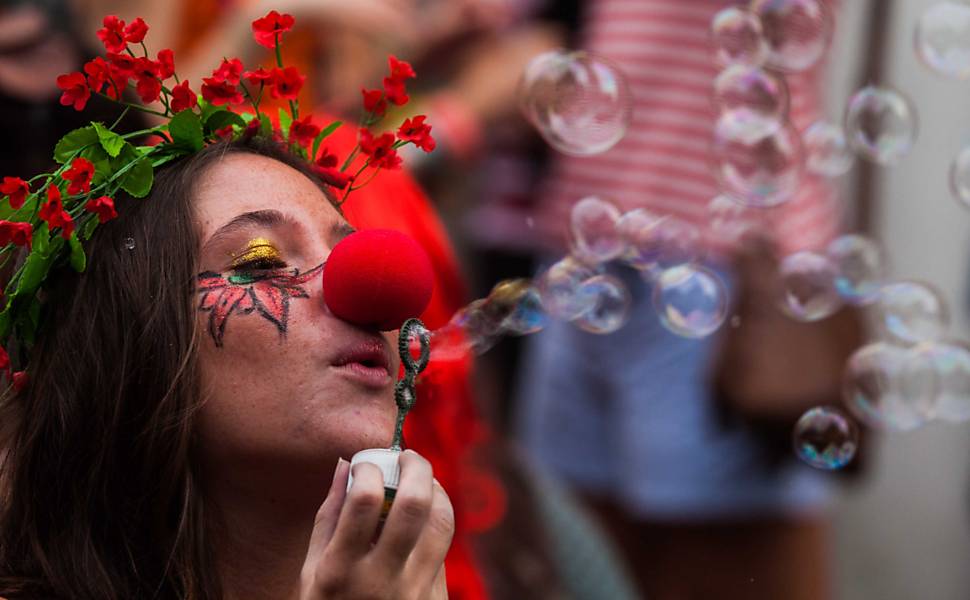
(655, 242)
(950, 362)
(690, 300)
(559, 288)
(636, 229)
(826, 151)
(909, 312)
(798, 32)
(679, 242)
(479, 324)
(580, 103)
(889, 387)
(825, 438)
(960, 177)
(881, 124)
(609, 305)
(943, 39)
(729, 221)
(808, 286)
(737, 37)
(753, 88)
(130, 243)
(593, 223)
(758, 160)
(860, 268)
(518, 304)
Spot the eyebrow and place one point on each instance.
(269, 219)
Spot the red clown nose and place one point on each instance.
(377, 278)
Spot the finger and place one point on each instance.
(435, 539)
(361, 512)
(439, 588)
(326, 519)
(409, 513)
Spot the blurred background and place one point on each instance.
(895, 528)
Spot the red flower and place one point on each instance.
(148, 86)
(266, 29)
(395, 91)
(304, 131)
(258, 77)
(326, 159)
(380, 150)
(224, 133)
(220, 92)
(374, 102)
(135, 32)
(98, 73)
(124, 64)
(17, 233)
(54, 214)
(79, 174)
(16, 189)
(104, 207)
(75, 88)
(252, 128)
(20, 380)
(417, 131)
(113, 34)
(183, 97)
(166, 63)
(286, 82)
(400, 70)
(229, 70)
(333, 176)
(4, 360)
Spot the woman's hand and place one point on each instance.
(406, 562)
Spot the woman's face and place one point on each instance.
(290, 387)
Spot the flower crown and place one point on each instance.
(51, 214)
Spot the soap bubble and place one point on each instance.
(479, 324)
(860, 267)
(691, 301)
(609, 305)
(798, 32)
(559, 288)
(593, 222)
(737, 37)
(825, 438)
(517, 303)
(960, 177)
(758, 160)
(908, 312)
(729, 221)
(826, 151)
(654, 242)
(950, 362)
(808, 286)
(943, 39)
(580, 103)
(745, 86)
(889, 387)
(881, 124)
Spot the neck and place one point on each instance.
(261, 541)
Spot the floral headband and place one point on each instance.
(49, 215)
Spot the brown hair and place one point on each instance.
(99, 498)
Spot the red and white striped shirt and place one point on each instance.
(664, 162)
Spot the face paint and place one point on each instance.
(266, 293)
(258, 249)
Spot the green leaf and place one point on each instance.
(206, 109)
(7, 212)
(74, 141)
(265, 125)
(286, 120)
(247, 117)
(110, 141)
(78, 258)
(5, 322)
(103, 164)
(87, 230)
(41, 240)
(223, 118)
(186, 129)
(322, 136)
(138, 181)
(35, 271)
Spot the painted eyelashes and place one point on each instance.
(267, 293)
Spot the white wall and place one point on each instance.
(904, 533)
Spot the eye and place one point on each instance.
(259, 264)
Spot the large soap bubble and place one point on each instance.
(889, 387)
(580, 103)
(798, 32)
(593, 223)
(860, 268)
(753, 88)
(808, 286)
(881, 124)
(758, 160)
(691, 301)
(609, 303)
(737, 37)
(950, 362)
(960, 177)
(559, 288)
(908, 312)
(826, 151)
(943, 39)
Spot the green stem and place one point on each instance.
(130, 105)
(120, 117)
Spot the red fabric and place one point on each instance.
(443, 426)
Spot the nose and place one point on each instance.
(377, 278)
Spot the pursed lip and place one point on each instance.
(367, 360)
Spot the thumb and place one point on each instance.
(325, 521)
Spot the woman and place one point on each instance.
(166, 447)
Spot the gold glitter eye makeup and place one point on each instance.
(259, 251)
